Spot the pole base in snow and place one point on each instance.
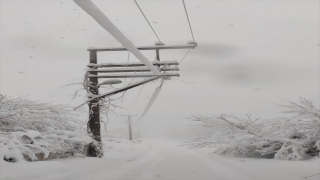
(95, 150)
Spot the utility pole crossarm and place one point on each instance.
(153, 47)
(134, 69)
(133, 64)
(135, 75)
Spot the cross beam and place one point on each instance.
(133, 64)
(135, 69)
(153, 47)
(136, 75)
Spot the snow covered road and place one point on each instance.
(159, 160)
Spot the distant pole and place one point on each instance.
(129, 124)
(130, 130)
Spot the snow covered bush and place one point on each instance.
(295, 137)
(31, 130)
(19, 112)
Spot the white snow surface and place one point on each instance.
(159, 159)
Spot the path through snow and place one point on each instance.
(159, 160)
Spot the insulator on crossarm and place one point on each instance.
(158, 43)
(191, 42)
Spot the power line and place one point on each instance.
(147, 20)
(185, 9)
(138, 95)
(125, 79)
(184, 56)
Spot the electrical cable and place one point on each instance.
(147, 21)
(184, 56)
(125, 79)
(185, 9)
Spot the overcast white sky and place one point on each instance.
(250, 52)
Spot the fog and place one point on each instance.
(249, 54)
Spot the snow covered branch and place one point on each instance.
(296, 137)
(30, 130)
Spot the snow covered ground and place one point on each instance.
(158, 159)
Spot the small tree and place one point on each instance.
(19, 112)
(296, 137)
(29, 128)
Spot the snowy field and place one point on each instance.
(154, 159)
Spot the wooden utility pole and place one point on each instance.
(94, 112)
(129, 123)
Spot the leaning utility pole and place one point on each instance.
(94, 150)
(129, 123)
(97, 71)
(126, 70)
